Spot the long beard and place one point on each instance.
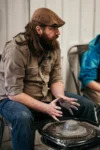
(49, 44)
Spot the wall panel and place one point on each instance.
(97, 17)
(17, 16)
(71, 31)
(87, 20)
(34, 4)
(3, 23)
(14, 16)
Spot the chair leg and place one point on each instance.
(1, 130)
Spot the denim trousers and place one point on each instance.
(24, 119)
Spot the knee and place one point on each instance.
(23, 118)
(86, 105)
(83, 101)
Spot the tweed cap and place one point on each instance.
(47, 17)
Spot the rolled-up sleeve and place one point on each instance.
(14, 69)
(56, 73)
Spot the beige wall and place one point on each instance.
(81, 16)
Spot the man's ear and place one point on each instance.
(39, 30)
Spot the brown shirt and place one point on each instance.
(21, 72)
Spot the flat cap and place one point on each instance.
(47, 17)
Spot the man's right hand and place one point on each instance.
(53, 110)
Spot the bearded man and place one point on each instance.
(31, 85)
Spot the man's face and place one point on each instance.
(48, 36)
(50, 33)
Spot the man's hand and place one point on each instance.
(69, 103)
(53, 110)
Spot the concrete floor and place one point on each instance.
(6, 143)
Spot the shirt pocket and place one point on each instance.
(31, 72)
(46, 69)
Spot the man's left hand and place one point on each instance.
(69, 103)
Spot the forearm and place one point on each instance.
(94, 85)
(30, 102)
(57, 89)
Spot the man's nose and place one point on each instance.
(57, 32)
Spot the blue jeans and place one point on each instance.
(23, 119)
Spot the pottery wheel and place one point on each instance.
(69, 129)
(69, 133)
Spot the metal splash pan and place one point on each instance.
(70, 134)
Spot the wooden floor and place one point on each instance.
(6, 144)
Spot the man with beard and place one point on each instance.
(31, 85)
